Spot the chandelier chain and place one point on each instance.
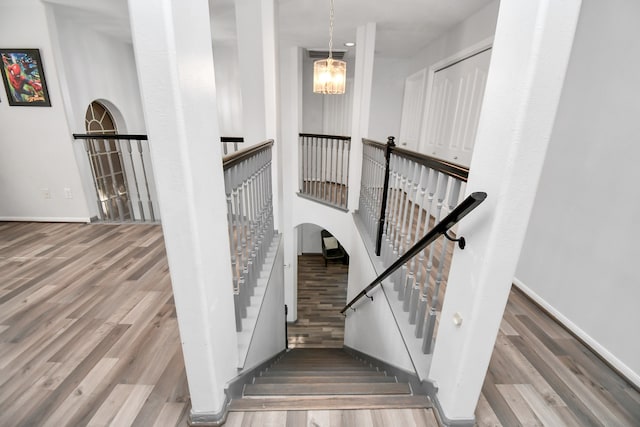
(330, 28)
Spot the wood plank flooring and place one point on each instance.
(88, 336)
(322, 292)
(88, 330)
(335, 418)
(541, 375)
(328, 192)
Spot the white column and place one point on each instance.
(172, 44)
(291, 116)
(255, 22)
(363, 79)
(256, 27)
(531, 50)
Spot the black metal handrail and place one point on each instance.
(226, 140)
(134, 137)
(231, 139)
(462, 210)
(238, 156)
(318, 135)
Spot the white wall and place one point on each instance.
(390, 73)
(268, 335)
(372, 328)
(94, 66)
(98, 67)
(101, 67)
(472, 30)
(581, 267)
(228, 92)
(311, 102)
(387, 91)
(35, 142)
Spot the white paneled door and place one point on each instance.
(412, 110)
(453, 109)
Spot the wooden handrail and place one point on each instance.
(452, 169)
(238, 156)
(373, 143)
(448, 168)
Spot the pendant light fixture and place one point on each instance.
(329, 75)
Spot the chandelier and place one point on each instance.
(329, 75)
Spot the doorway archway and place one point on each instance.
(107, 164)
(321, 294)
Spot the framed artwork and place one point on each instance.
(23, 78)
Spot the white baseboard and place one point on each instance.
(44, 219)
(629, 374)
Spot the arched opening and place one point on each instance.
(106, 163)
(321, 292)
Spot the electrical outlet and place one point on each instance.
(46, 193)
(67, 193)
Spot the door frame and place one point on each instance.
(434, 68)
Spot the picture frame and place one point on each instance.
(23, 77)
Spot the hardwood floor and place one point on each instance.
(322, 292)
(335, 418)
(541, 375)
(88, 336)
(88, 331)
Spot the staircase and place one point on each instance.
(312, 379)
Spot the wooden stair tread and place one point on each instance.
(320, 363)
(311, 373)
(320, 368)
(326, 389)
(324, 379)
(329, 402)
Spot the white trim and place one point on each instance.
(629, 374)
(459, 56)
(44, 219)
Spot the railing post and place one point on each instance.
(385, 189)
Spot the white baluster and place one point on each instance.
(454, 196)
(401, 274)
(421, 230)
(411, 236)
(392, 206)
(423, 278)
(443, 181)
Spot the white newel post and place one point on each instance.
(172, 44)
(531, 50)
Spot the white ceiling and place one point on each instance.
(403, 26)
